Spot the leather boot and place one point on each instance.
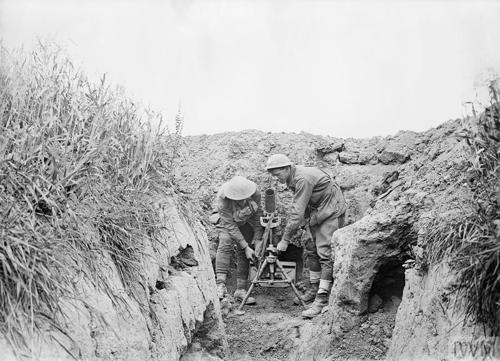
(239, 295)
(320, 301)
(309, 295)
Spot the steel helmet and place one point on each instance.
(277, 161)
(239, 188)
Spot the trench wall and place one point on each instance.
(169, 305)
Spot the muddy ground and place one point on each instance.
(273, 328)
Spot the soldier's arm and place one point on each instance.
(227, 221)
(302, 195)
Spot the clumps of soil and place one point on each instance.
(371, 340)
(273, 328)
(207, 335)
(184, 259)
(267, 331)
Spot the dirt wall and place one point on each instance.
(171, 304)
(430, 322)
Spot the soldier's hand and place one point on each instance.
(282, 245)
(250, 254)
(258, 246)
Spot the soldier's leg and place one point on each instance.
(223, 261)
(243, 266)
(312, 262)
(323, 235)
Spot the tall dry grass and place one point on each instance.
(472, 244)
(80, 166)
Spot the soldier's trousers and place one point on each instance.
(318, 250)
(225, 250)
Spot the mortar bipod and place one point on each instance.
(272, 262)
(272, 218)
(269, 258)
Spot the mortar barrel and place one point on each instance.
(270, 200)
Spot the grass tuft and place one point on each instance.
(80, 167)
(472, 243)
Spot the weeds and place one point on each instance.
(79, 171)
(472, 243)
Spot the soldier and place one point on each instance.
(238, 205)
(319, 200)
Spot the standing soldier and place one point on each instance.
(319, 200)
(238, 205)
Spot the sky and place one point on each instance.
(341, 68)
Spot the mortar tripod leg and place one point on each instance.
(290, 283)
(261, 269)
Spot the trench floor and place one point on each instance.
(273, 329)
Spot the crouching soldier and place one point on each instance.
(318, 199)
(238, 204)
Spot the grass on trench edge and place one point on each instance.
(80, 168)
(471, 245)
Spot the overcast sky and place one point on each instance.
(340, 68)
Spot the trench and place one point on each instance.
(273, 329)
